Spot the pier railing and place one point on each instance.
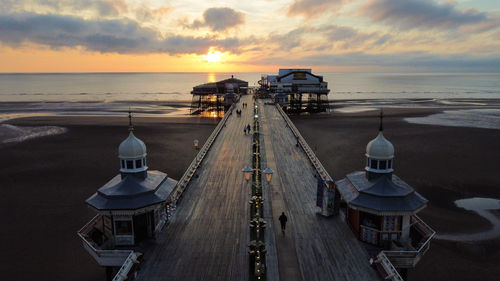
(323, 174)
(101, 256)
(191, 170)
(386, 268)
(410, 258)
(127, 267)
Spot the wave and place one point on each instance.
(12, 134)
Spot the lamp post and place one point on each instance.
(195, 143)
(269, 174)
(247, 171)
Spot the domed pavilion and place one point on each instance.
(132, 204)
(380, 205)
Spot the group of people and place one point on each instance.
(244, 105)
(238, 112)
(247, 129)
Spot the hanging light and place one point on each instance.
(247, 171)
(269, 174)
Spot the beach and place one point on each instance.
(45, 181)
(442, 163)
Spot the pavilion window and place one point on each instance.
(373, 164)
(138, 163)
(123, 227)
(391, 223)
(130, 164)
(390, 164)
(382, 164)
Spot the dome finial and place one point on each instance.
(130, 126)
(381, 128)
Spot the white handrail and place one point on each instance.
(99, 252)
(309, 152)
(391, 271)
(122, 274)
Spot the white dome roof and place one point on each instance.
(380, 148)
(132, 148)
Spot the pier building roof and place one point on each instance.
(132, 147)
(131, 192)
(219, 87)
(387, 193)
(377, 190)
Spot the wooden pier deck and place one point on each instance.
(325, 248)
(207, 237)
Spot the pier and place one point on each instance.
(207, 238)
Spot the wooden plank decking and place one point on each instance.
(326, 249)
(207, 237)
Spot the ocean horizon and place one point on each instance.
(176, 86)
(168, 95)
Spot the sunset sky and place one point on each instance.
(254, 35)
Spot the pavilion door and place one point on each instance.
(141, 227)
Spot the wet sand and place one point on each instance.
(442, 163)
(45, 181)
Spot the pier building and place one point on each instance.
(131, 207)
(213, 99)
(297, 90)
(381, 207)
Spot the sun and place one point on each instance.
(213, 56)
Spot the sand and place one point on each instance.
(442, 163)
(44, 182)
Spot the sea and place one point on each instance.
(168, 94)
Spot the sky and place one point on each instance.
(246, 36)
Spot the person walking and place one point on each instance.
(283, 219)
(245, 130)
(249, 129)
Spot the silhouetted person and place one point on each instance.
(283, 219)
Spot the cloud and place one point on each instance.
(100, 7)
(309, 8)
(219, 19)
(407, 60)
(289, 40)
(119, 36)
(338, 33)
(146, 14)
(411, 14)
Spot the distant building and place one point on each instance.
(297, 90)
(214, 98)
